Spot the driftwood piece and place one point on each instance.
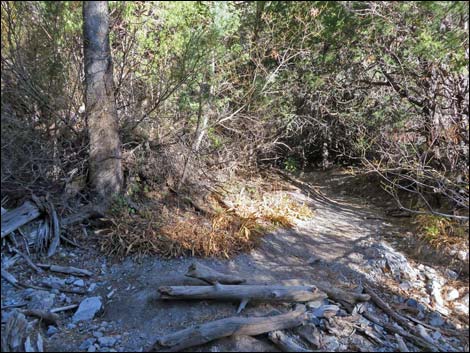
(46, 316)
(66, 269)
(205, 273)
(271, 293)
(10, 278)
(64, 308)
(401, 344)
(18, 217)
(286, 343)
(86, 212)
(55, 227)
(14, 334)
(233, 326)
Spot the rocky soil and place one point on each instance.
(350, 243)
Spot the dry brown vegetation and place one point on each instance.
(233, 225)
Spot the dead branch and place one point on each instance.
(233, 326)
(205, 273)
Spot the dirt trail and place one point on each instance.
(335, 246)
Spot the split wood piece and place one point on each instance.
(86, 212)
(233, 326)
(7, 276)
(18, 217)
(55, 227)
(14, 334)
(340, 295)
(66, 269)
(47, 317)
(399, 330)
(64, 308)
(347, 298)
(286, 343)
(243, 293)
(401, 344)
(207, 274)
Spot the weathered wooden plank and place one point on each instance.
(18, 217)
(233, 326)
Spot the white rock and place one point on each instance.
(452, 294)
(88, 309)
(462, 255)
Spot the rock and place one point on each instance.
(52, 330)
(413, 303)
(87, 343)
(452, 294)
(71, 326)
(88, 309)
(79, 283)
(461, 306)
(70, 280)
(436, 320)
(462, 255)
(98, 334)
(107, 341)
(406, 286)
(92, 348)
(452, 274)
(41, 300)
(53, 282)
(92, 287)
(436, 335)
(330, 344)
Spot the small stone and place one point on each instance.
(98, 334)
(462, 255)
(107, 341)
(52, 330)
(413, 303)
(87, 343)
(452, 294)
(452, 274)
(406, 286)
(92, 287)
(79, 283)
(71, 326)
(92, 348)
(436, 335)
(41, 300)
(70, 280)
(436, 320)
(88, 309)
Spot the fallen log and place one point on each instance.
(243, 293)
(205, 273)
(66, 269)
(286, 343)
(18, 217)
(233, 326)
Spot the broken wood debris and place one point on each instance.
(210, 331)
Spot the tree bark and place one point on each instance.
(103, 130)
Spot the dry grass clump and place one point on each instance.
(440, 231)
(234, 226)
(222, 235)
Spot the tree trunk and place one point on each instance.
(103, 130)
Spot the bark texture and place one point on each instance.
(105, 147)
